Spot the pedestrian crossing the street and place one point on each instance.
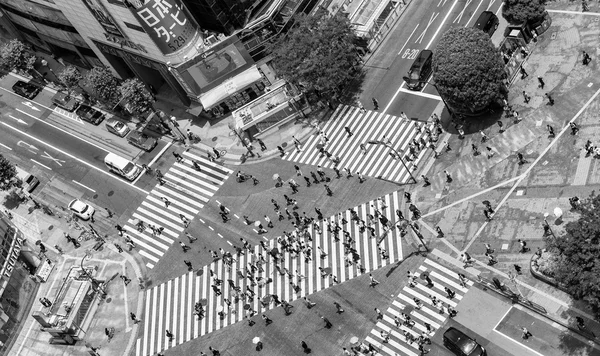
(286, 273)
(404, 338)
(377, 160)
(165, 209)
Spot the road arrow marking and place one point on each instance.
(31, 148)
(18, 120)
(29, 104)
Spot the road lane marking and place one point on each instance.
(474, 12)
(408, 39)
(18, 120)
(75, 158)
(492, 3)
(56, 160)
(419, 93)
(5, 146)
(30, 148)
(433, 17)
(86, 187)
(30, 105)
(460, 15)
(442, 24)
(34, 161)
(64, 131)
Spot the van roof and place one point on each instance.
(116, 160)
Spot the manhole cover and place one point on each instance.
(284, 145)
(111, 193)
(50, 227)
(108, 300)
(214, 139)
(95, 196)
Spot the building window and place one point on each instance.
(134, 27)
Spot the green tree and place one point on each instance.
(468, 70)
(104, 84)
(15, 56)
(519, 11)
(577, 251)
(70, 77)
(8, 175)
(137, 97)
(318, 53)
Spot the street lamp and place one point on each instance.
(396, 153)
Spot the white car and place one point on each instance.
(81, 209)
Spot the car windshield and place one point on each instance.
(468, 346)
(85, 208)
(414, 75)
(119, 125)
(129, 168)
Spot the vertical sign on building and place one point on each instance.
(166, 22)
(103, 17)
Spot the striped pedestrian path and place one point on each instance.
(187, 190)
(397, 344)
(365, 126)
(170, 306)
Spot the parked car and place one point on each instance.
(117, 127)
(83, 210)
(462, 345)
(420, 70)
(30, 182)
(65, 101)
(487, 22)
(140, 140)
(89, 114)
(26, 90)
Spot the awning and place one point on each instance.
(229, 87)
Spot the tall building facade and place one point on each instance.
(211, 53)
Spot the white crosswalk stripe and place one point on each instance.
(196, 286)
(187, 191)
(378, 161)
(397, 344)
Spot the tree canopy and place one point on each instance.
(137, 97)
(577, 251)
(104, 84)
(15, 56)
(317, 53)
(8, 175)
(519, 11)
(468, 70)
(70, 77)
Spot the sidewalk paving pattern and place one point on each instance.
(397, 344)
(187, 190)
(170, 306)
(370, 125)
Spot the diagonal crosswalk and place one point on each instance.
(365, 126)
(428, 313)
(187, 190)
(170, 306)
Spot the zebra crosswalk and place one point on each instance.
(185, 191)
(379, 160)
(427, 318)
(170, 306)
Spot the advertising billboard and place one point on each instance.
(166, 22)
(103, 17)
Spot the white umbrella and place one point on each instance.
(354, 340)
(558, 212)
(256, 340)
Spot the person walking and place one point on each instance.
(363, 148)
(348, 131)
(329, 191)
(267, 320)
(281, 151)
(376, 103)
(309, 304)
(426, 181)
(379, 314)
(448, 177)
(525, 333)
(169, 335)
(338, 308)
(361, 178)
(501, 125)
(189, 265)
(550, 100)
(166, 201)
(586, 58)
(263, 147)
(521, 158)
(305, 347)
(298, 171)
(551, 133)
(372, 281)
(134, 318)
(328, 324)
(269, 222)
(541, 83)
(185, 220)
(526, 97)
(475, 150)
(523, 73)
(574, 128)
(407, 196)
(490, 152)
(440, 233)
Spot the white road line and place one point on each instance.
(419, 93)
(34, 161)
(5, 146)
(86, 187)
(442, 24)
(157, 157)
(575, 12)
(408, 39)
(70, 155)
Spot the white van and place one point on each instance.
(122, 167)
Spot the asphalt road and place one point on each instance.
(420, 28)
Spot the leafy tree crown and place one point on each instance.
(136, 95)
(8, 175)
(104, 84)
(519, 11)
(16, 56)
(468, 70)
(70, 77)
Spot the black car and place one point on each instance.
(140, 140)
(420, 70)
(487, 22)
(461, 344)
(26, 90)
(65, 101)
(89, 114)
